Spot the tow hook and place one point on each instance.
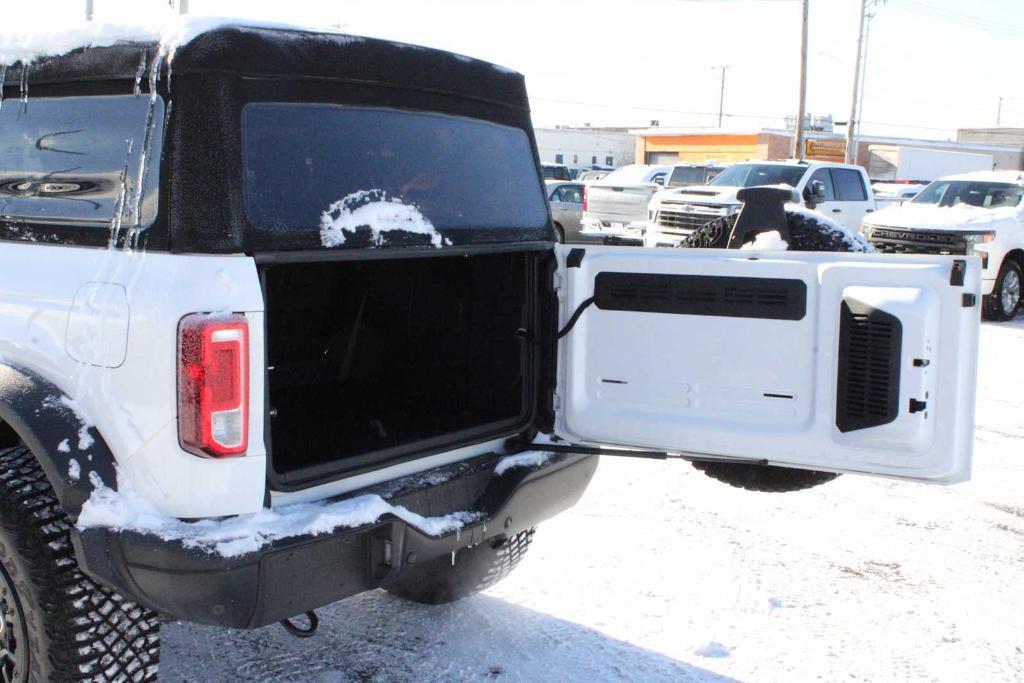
(299, 632)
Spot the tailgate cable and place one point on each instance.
(525, 335)
(516, 445)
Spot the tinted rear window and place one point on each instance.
(459, 172)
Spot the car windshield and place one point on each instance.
(987, 195)
(688, 175)
(302, 158)
(751, 175)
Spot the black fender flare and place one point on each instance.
(31, 405)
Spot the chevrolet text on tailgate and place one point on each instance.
(273, 321)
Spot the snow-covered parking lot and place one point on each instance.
(661, 574)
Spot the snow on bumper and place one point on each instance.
(241, 573)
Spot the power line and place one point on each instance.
(966, 20)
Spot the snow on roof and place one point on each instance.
(989, 176)
(18, 45)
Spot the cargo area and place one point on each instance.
(371, 362)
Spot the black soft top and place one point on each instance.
(289, 53)
(211, 78)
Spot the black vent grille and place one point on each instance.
(870, 345)
(734, 297)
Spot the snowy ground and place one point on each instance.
(661, 574)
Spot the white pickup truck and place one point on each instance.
(980, 213)
(838, 191)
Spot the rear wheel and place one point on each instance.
(452, 577)
(58, 624)
(559, 233)
(1004, 301)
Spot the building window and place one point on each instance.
(593, 160)
(575, 158)
(608, 161)
(558, 159)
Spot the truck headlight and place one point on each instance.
(980, 237)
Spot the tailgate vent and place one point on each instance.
(730, 297)
(870, 344)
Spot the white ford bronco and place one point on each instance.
(840, 192)
(269, 338)
(980, 213)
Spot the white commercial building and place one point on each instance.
(585, 147)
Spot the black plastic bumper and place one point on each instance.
(294, 575)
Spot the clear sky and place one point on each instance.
(933, 65)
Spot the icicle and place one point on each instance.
(115, 221)
(458, 534)
(24, 84)
(139, 73)
(453, 558)
(145, 152)
(3, 75)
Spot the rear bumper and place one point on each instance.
(293, 575)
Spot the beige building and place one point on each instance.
(673, 145)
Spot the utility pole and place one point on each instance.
(798, 138)
(182, 6)
(88, 10)
(851, 123)
(999, 113)
(721, 94)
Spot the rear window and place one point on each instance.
(62, 160)
(458, 172)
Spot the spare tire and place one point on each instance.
(807, 232)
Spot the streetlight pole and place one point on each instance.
(88, 10)
(721, 94)
(798, 138)
(999, 113)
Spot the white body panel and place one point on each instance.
(891, 162)
(711, 385)
(102, 326)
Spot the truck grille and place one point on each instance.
(693, 217)
(893, 241)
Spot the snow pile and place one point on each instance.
(528, 459)
(375, 211)
(767, 241)
(127, 510)
(22, 44)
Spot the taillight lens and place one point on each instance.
(584, 197)
(213, 384)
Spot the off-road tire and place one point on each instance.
(765, 478)
(74, 629)
(992, 305)
(475, 569)
(805, 234)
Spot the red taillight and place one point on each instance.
(213, 384)
(584, 197)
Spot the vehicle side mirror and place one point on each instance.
(658, 180)
(816, 195)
